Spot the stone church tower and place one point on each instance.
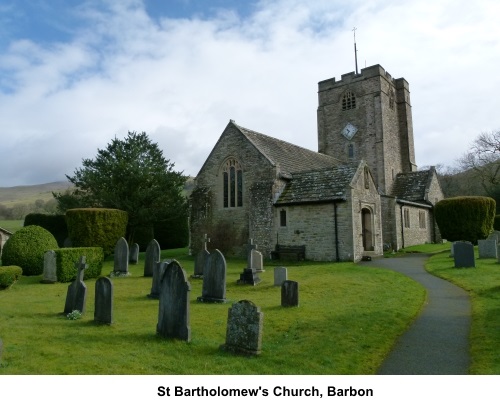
(367, 116)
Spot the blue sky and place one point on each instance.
(75, 73)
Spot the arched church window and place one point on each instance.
(350, 151)
(348, 101)
(232, 184)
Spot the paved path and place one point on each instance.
(438, 340)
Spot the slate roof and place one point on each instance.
(313, 186)
(412, 186)
(290, 158)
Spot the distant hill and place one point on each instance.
(9, 196)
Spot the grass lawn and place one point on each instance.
(347, 320)
(12, 225)
(483, 285)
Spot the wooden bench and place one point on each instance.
(286, 250)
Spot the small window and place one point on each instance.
(421, 220)
(348, 101)
(351, 151)
(282, 218)
(391, 99)
(367, 177)
(406, 217)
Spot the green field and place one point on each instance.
(347, 321)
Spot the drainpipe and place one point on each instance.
(336, 232)
(402, 228)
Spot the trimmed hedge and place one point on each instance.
(26, 249)
(9, 275)
(55, 224)
(67, 258)
(465, 218)
(90, 227)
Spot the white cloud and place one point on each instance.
(182, 80)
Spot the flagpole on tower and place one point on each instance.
(355, 50)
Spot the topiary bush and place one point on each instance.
(26, 249)
(55, 224)
(9, 275)
(91, 227)
(465, 218)
(66, 259)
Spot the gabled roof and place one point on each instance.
(413, 186)
(290, 158)
(322, 185)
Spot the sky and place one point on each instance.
(74, 74)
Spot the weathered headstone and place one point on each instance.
(103, 311)
(280, 276)
(495, 235)
(76, 297)
(464, 254)
(49, 267)
(244, 328)
(290, 294)
(152, 257)
(133, 257)
(201, 258)
(158, 271)
(214, 279)
(249, 275)
(173, 314)
(121, 258)
(257, 261)
(487, 248)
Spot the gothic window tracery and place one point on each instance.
(348, 101)
(232, 184)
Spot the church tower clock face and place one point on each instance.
(349, 131)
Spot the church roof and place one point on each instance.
(322, 185)
(413, 186)
(290, 158)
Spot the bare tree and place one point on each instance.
(483, 159)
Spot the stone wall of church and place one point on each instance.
(313, 225)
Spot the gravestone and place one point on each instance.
(158, 271)
(487, 248)
(103, 311)
(257, 261)
(201, 258)
(244, 329)
(249, 275)
(290, 294)
(121, 258)
(280, 275)
(173, 314)
(464, 254)
(152, 257)
(49, 267)
(495, 235)
(133, 257)
(76, 297)
(214, 279)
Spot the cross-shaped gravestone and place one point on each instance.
(206, 239)
(250, 247)
(77, 290)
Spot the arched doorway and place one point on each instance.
(367, 229)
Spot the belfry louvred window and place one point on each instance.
(348, 101)
(232, 184)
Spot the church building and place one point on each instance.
(359, 194)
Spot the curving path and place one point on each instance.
(438, 340)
